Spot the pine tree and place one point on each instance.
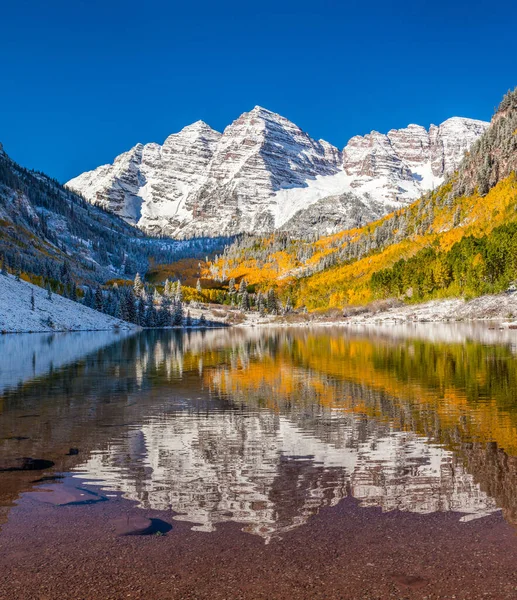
(141, 313)
(245, 301)
(242, 286)
(188, 322)
(177, 314)
(3, 269)
(138, 285)
(33, 304)
(129, 298)
(202, 321)
(179, 294)
(150, 312)
(272, 304)
(89, 299)
(165, 312)
(261, 305)
(168, 289)
(49, 292)
(99, 300)
(199, 289)
(231, 285)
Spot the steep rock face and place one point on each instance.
(264, 172)
(334, 213)
(149, 184)
(172, 172)
(259, 154)
(404, 163)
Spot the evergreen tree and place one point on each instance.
(188, 322)
(65, 276)
(99, 300)
(177, 314)
(261, 305)
(33, 304)
(231, 285)
(179, 293)
(138, 285)
(272, 303)
(199, 289)
(49, 292)
(245, 301)
(116, 307)
(165, 312)
(89, 298)
(202, 321)
(150, 312)
(130, 303)
(169, 289)
(141, 313)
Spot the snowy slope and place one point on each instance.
(263, 173)
(57, 314)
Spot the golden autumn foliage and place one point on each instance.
(463, 396)
(437, 221)
(187, 270)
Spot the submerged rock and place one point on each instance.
(140, 525)
(25, 464)
(49, 479)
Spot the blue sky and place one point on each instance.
(83, 80)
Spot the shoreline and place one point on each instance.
(497, 308)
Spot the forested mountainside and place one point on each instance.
(44, 226)
(460, 239)
(265, 174)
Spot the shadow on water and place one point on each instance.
(266, 427)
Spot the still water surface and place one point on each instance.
(264, 428)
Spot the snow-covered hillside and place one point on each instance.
(264, 173)
(55, 314)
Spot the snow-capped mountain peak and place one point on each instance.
(264, 172)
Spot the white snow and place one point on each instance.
(264, 169)
(57, 314)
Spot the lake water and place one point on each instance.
(272, 435)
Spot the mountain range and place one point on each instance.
(264, 174)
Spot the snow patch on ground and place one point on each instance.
(489, 307)
(57, 314)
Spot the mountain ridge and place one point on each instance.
(262, 170)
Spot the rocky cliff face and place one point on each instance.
(264, 173)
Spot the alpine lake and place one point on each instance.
(326, 462)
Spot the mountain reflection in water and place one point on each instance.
(266, 427)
